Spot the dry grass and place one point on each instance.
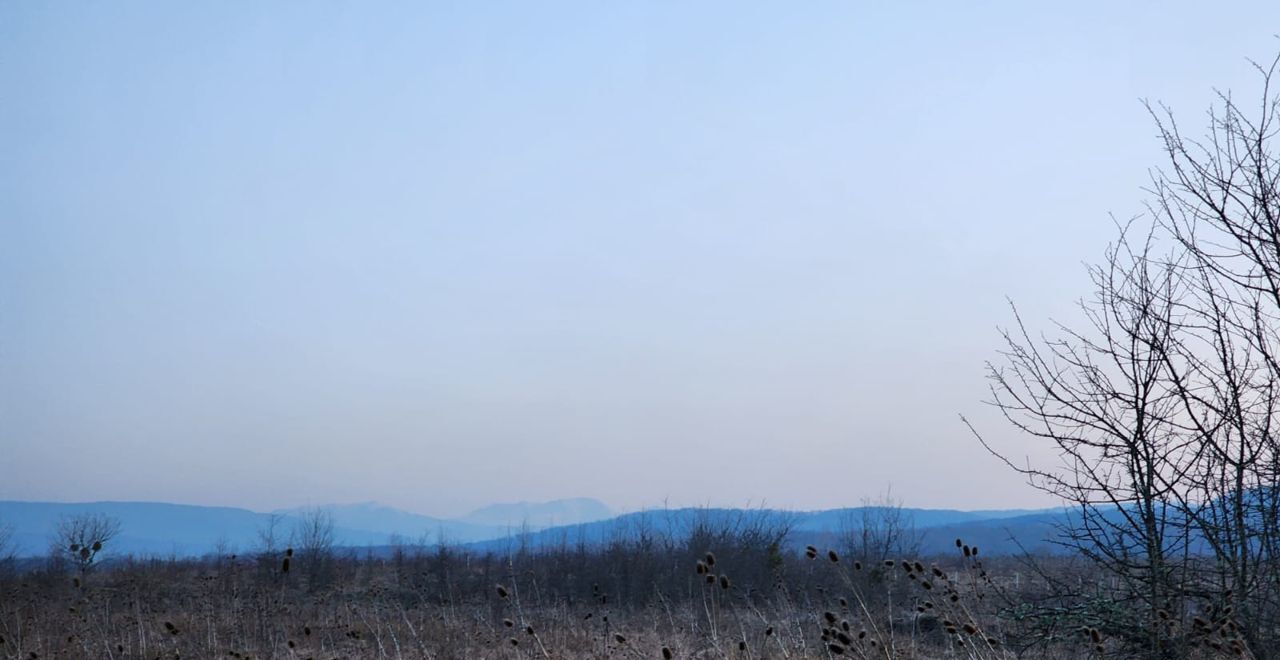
(585, 604)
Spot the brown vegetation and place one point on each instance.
(646, 596)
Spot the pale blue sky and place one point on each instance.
(443, 254)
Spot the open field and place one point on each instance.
(753, 597)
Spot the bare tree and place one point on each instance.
(1162, 403)
(7, 550)
(1219, 199)
(269, 535)
(6, 540)
(314, 537)
(83, 537)
(880, 529)
(314, 532)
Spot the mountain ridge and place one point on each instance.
(162, 528)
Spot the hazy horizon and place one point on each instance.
(444, 255)
(613, 510)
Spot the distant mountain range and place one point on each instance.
(997, 532)
(158, 528)
(154, 528)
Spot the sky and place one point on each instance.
(442, 254)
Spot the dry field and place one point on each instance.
(629, 600)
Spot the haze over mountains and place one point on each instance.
(157, 528)
(183, 529)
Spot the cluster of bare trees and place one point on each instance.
(309, 543)
(1162, 403)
